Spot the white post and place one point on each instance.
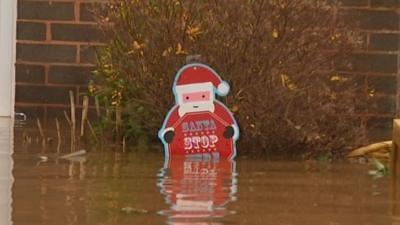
(7, 56)
(6, 167)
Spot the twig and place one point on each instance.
(41, 132)
(77, 153)
(67, 118)
(92, 131)
(73, 120)
(40, 128)
(124, 144)
(58, 135)
(118, 123)
(85, 107)
(96, 101)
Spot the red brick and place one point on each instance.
(379, 128)
(385, 3)
(384, 42)
(354, 2)
(42, 94)
(73, 75)
(76, 32)
(382, 105)
(86, 11)
(383, 84)
(31, 31)
(88, 53)
(29, 73)
(41, 10)
(46, 53)
(367, 62)
(373, 19)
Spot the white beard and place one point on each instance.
(195, 107)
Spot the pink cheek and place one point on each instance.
(196, 97)
(187, 98)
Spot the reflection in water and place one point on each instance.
(197, 190)
(6, 165)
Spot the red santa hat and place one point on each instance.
(198, 76)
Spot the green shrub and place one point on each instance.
(279, 57)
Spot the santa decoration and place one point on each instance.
(199, 125)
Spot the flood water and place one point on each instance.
(114, 188)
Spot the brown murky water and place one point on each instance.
(108, 188)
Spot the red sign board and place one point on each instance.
(199, 125)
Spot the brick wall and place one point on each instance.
(56, 45)
(57, 42)
(377, 63)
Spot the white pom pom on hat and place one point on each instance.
(223, 88)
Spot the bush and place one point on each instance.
(279, 57)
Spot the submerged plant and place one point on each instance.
(279, 56)
(381, 169)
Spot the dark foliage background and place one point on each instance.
(279, 57)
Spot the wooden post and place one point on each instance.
(395, 172)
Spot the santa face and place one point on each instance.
(195, 98)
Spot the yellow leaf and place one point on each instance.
(284, 79)
(235, 108)
(335, 78)
(292, 87)
(286, 82)
(332, 96)
(179, 50)
(275, 33)
(92, 88)
(371, 93)
(136, 45)
(193, 31)
(167, 51)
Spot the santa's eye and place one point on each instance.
(187, 97)
(203, 96)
